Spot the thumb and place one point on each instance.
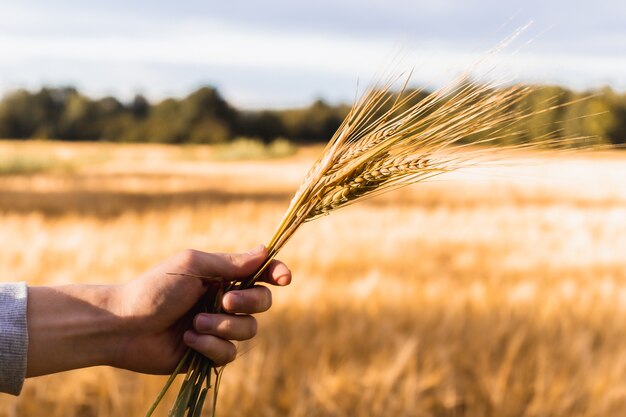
(227, 265)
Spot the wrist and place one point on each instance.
(105, 323)
(70, 327)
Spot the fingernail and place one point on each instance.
(256, 250)
(284, 280)
(230, 301)
(190, 337)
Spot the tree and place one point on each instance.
(207, 116)
(140, 107)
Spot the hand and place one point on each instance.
(156, 310)
(147, 324)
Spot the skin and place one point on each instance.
(147, 324)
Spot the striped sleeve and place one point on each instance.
(13, 337)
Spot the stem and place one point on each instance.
(218, 379)
(169, 382)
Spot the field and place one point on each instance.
(495, 292)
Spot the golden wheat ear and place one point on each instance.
(391, 140)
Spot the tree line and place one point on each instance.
(204, 116)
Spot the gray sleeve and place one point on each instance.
(13, 337)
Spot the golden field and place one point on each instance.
(498, 291)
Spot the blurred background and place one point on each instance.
(133, 130)
(202, 72)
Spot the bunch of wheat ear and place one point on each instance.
(387, 141)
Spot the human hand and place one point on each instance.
(147, 324)
(157, 309)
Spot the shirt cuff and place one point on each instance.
(13, 337)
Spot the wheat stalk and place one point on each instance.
(373, 153)
(386, 142)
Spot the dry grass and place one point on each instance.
(461, 297)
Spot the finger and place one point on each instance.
(225, 265)
(220, 351)
(253, 300)
(277, 273)
(226, 326)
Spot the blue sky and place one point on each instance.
(279, 53)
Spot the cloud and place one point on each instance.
(280, 53)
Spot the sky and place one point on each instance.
(284, 53)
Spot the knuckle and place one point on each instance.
(188, 258)
(227, 327)
(265, 299)
(238, 328)
(229, 257)
(253, 326)
(233, 259)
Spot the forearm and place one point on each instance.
(69, 327)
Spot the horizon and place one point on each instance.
(127, 101)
